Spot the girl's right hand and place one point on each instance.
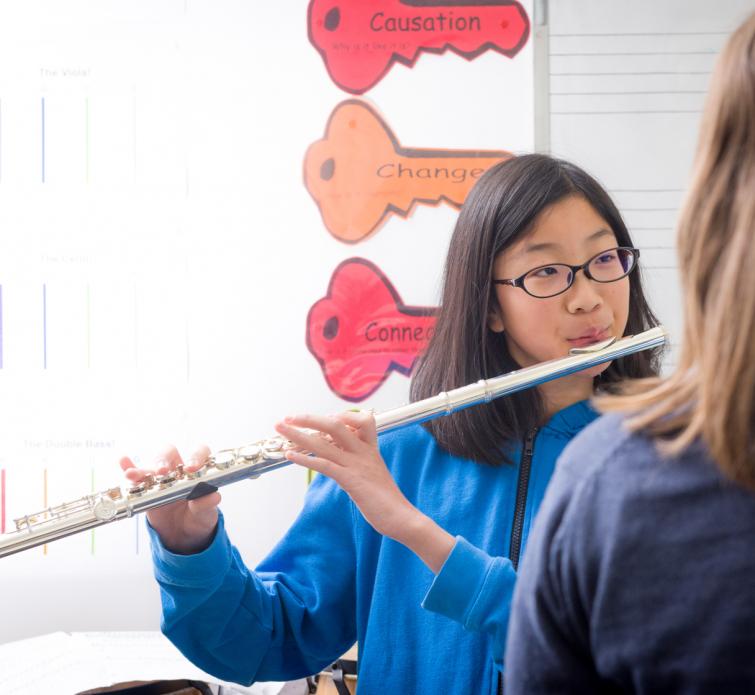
(186, 526)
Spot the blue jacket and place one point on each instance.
(332, 580)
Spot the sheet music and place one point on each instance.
(627, 88)
(42, 664)
(64, 662)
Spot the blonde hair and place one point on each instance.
(711, 394)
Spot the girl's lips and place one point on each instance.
(590, 338)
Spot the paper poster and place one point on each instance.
(359, 174)
(361, 330)
(360, 41)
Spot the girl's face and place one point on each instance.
(569, 231)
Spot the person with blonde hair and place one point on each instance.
(640, 570)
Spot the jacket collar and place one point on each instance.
(572, 419)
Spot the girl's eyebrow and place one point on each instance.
(550, 245)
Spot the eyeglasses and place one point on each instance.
(549, 280)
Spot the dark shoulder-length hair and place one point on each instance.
(498, 211)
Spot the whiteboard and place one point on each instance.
(160, 253)
(626, 87)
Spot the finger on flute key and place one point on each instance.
(198, 459)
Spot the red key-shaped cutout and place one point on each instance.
(361, 331)
(359, 40)
(359, 174)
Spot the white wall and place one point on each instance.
(627, 87)
(180, 254)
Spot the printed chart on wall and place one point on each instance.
(627, 87)
(213, 215)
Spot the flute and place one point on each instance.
(252, 460)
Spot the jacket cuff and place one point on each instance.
(195, 570)
(457, 586)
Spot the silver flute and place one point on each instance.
(252, 460)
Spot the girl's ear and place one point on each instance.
(495, 320)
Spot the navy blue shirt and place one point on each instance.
(639, 575)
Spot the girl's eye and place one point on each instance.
(548, 271)
(609, 257)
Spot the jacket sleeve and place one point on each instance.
(475, 589)
(290, 617)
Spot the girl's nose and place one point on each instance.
(583, 296)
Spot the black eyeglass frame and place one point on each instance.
(519, 282)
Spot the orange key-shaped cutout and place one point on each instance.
(359, 174)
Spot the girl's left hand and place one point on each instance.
(350, 456)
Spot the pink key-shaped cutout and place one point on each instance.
(359, 40)
(361, 331)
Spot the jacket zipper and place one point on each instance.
(520, 506)
(521, 498)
